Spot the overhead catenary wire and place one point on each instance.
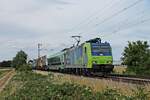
(98, 17)
(135, 24)
(113, 15)
(89, 18)
(116, 14)
(119, 12)
(108, 18)
(127, 24)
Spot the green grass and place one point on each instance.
(31, 86)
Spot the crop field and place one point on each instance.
(5, 78)
(33, 86)
(2, 72)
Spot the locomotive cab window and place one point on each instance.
(101, 50)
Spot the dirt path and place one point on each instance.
(5, 79)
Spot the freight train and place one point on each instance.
(92, 56)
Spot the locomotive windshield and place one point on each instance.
(101, 49)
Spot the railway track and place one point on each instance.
(115, 77)
(127, 79)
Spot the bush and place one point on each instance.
(25, 67)
(137, 57)
(20, 62)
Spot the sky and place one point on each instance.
(25, 23)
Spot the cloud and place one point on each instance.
(24, 23)
(27, 6)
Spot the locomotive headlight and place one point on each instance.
(109, 62)
(101, 54)
(94, 62)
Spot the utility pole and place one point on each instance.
(39, 50)
(77, 38)
(39, 60)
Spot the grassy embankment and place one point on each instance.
(32, 86)
(100, 84)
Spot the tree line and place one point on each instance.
(5, 63)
